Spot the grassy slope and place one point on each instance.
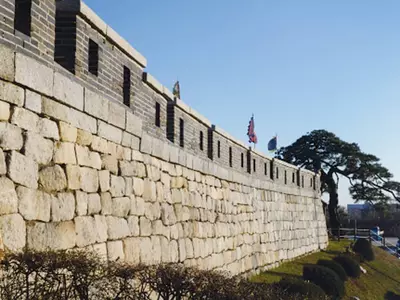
(383, 274)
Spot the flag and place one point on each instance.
(177, 90)
(250, 131)
(272, 144)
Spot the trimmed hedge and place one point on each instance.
(324, 277)
(80, 275)
(334, 266)
(350, 265)
(301, 287)
(363, 247)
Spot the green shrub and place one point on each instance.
(364, 248)
(294, 286)
(350, 265)
(334, 266)
(324, 277)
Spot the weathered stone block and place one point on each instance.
(138, 186)
(84, 138)
(68, 133)
(126, 139)
(106, 204)
(48, 129)
(87, 158)
(64, 153)
(68, 91)
(117, 186)
(96, 105)
(99, 145)
(7, 63)
(109, 162)
(10, 137)
(145, 226)
(109, 132)
(104, 180)
(132, 250)
(128, 186)
(133, 224)
(86, 233)
(133, 124)
(152, 211)
(121, 206)
(63, 207)
(8, 197)
(137, 156)
(53, 179)
(3, 166)
(83, 121)
(100, 250)
(115, 250)
(11, 93)
(4, 111)
(94, 204)
(81, 203)
(101, 228)
(33, 101)
(33, 74)
(33, 204)
(149, 191)
(127, 168)
(173, 251)
(117, 228)
(146, 144)
(158, 228)
(38, 148)
(23, 170)
(73, 177)
(51, 236)
(55, 109)
(145, 247)
(89, 180)
(137, 206)
(167, 214)
(13, 232)
(116, 114)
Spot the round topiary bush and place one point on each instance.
(294, 286)
(324, 277)
(364, 248)
(334, 266)
(351, 266)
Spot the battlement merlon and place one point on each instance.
(90, 16)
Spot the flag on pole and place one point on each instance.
(177, 90)
(251, 132)
(273, 144)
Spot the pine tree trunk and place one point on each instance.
(332, 206)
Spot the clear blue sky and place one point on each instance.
(297, 65)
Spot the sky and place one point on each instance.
(297, 65)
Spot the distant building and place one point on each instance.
(366, 210)
(355, 211)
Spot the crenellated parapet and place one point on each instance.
(96, 153)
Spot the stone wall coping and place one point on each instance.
(111, 34)
(229, 137)
(153, 82)
(286, 164)
(167, 93)
(182, 105)
(259, 153)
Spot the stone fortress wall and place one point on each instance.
(95, 153)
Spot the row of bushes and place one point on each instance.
(82, 275)
(330, 275)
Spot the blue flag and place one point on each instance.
(272, 144)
